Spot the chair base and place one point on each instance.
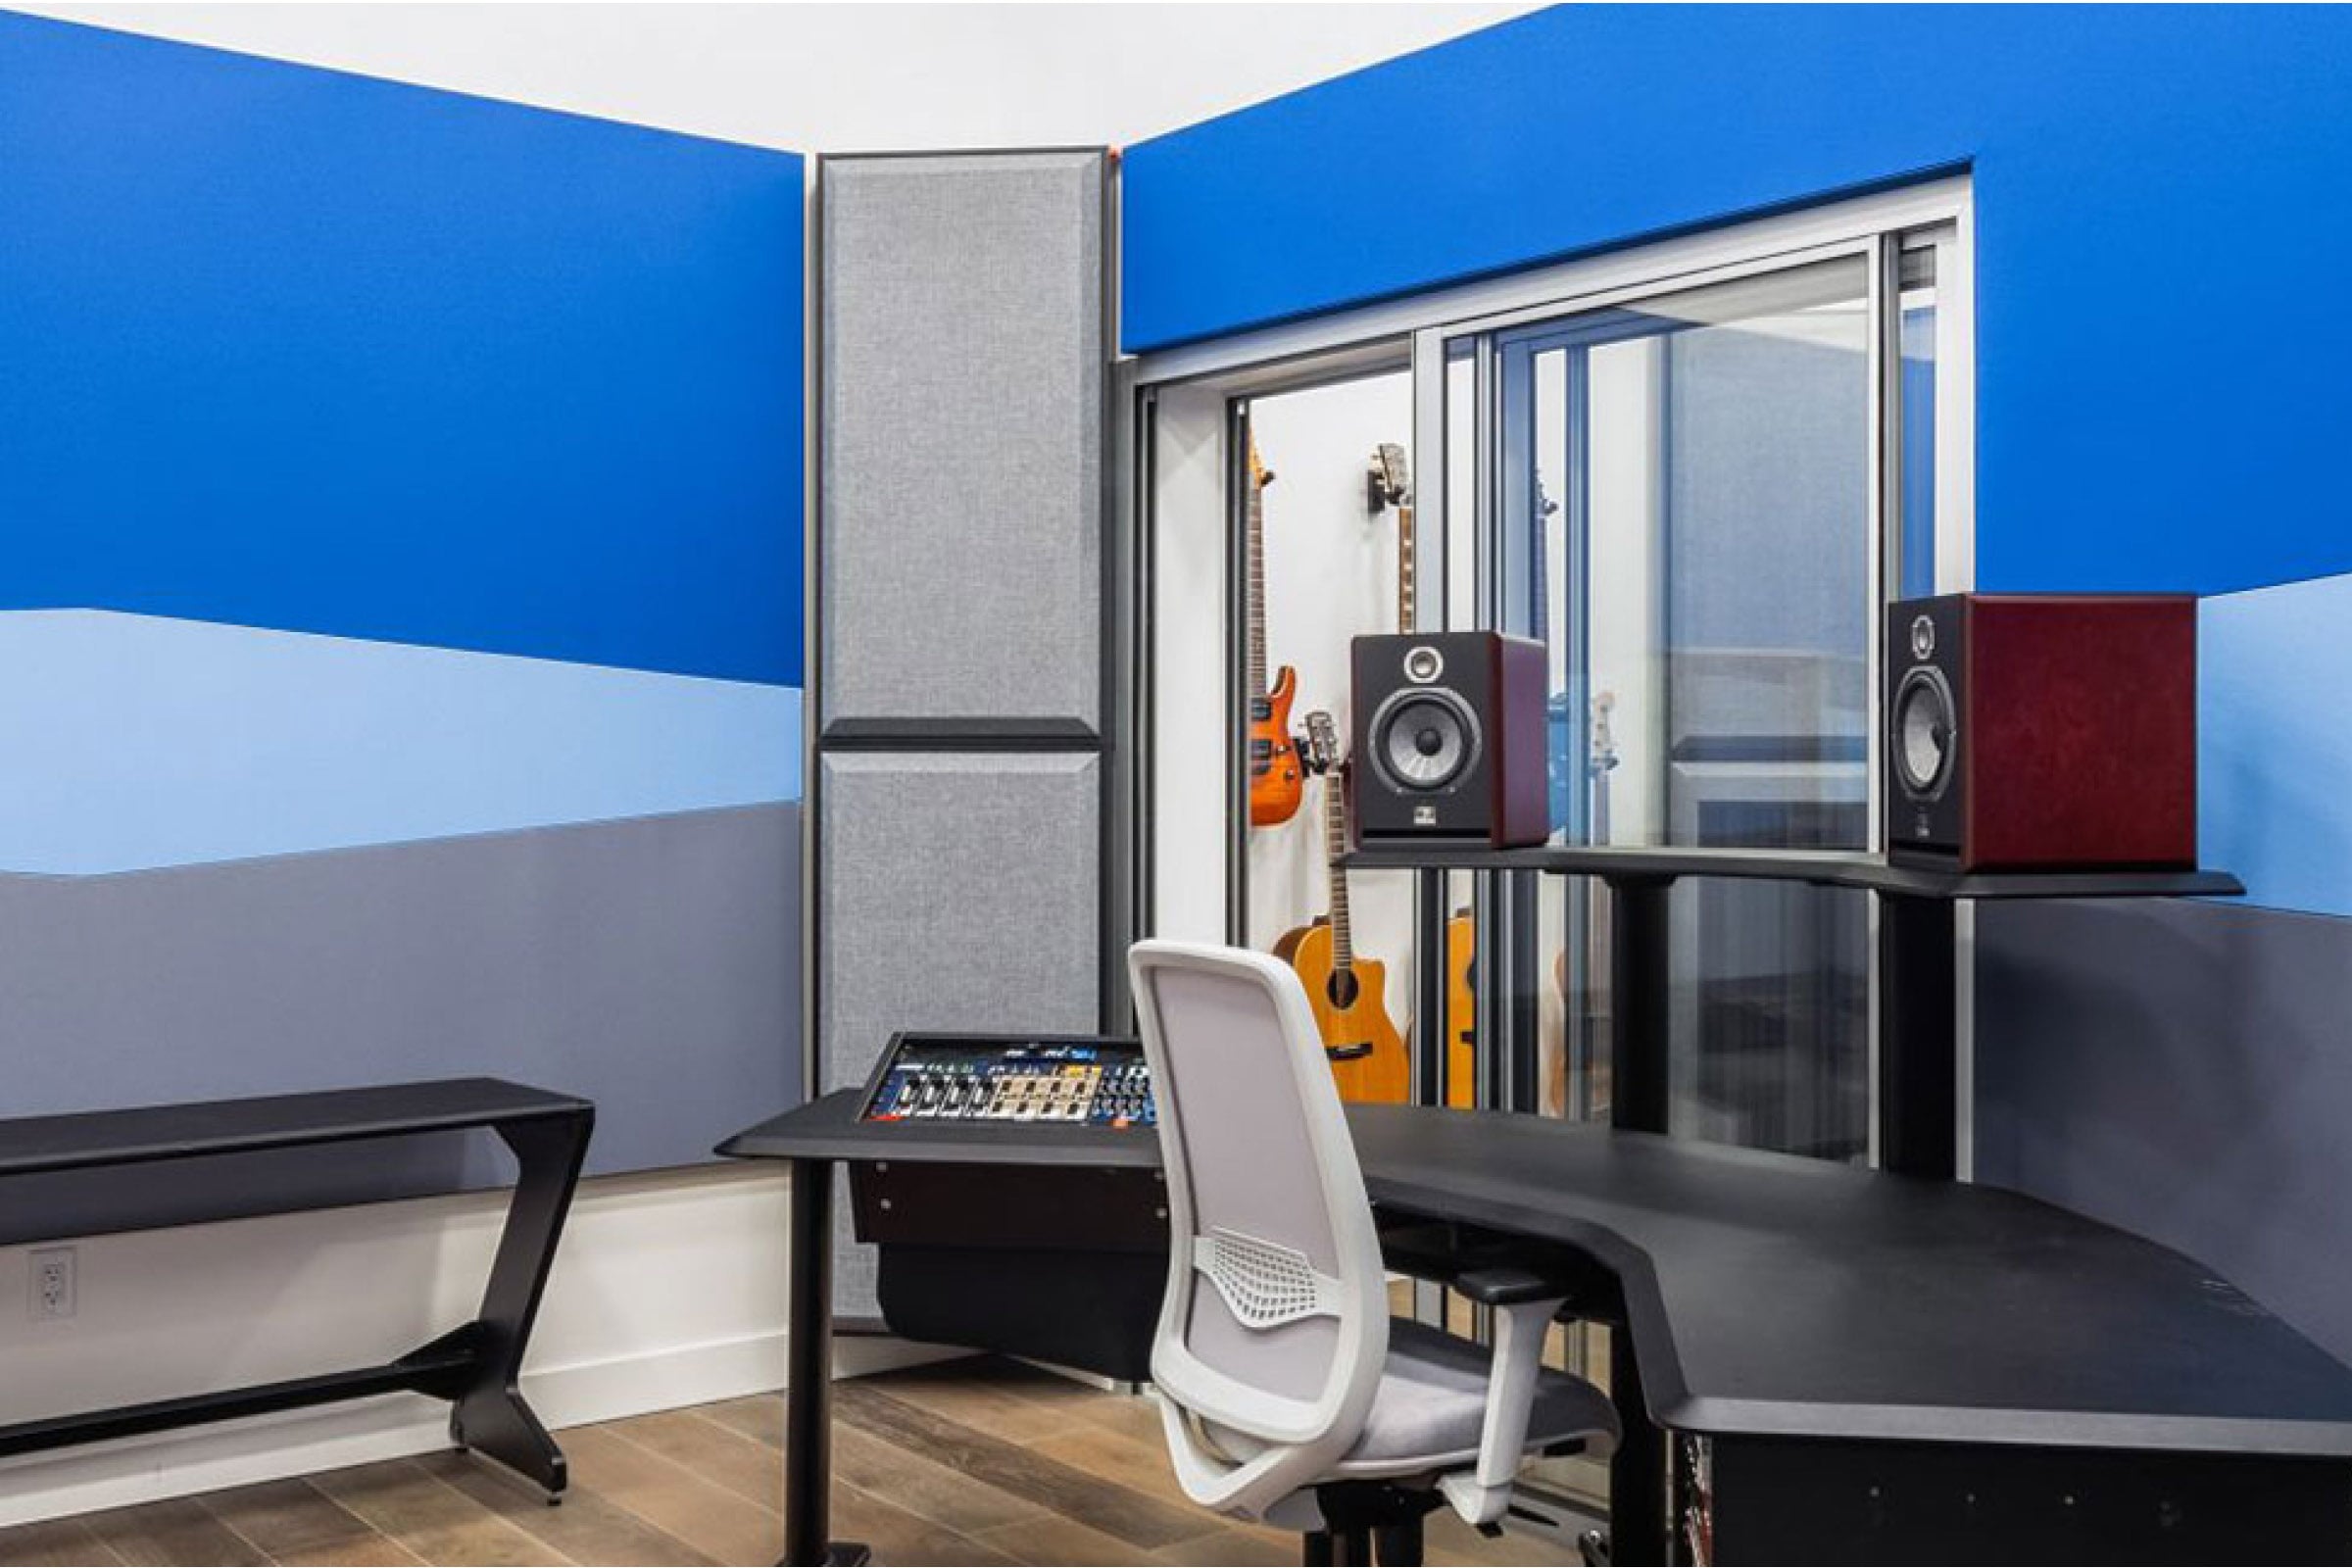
(1368, 1522)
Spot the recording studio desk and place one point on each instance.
(1771, 1298)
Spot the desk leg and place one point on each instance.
(1637, 1002)
(490, 1416)
(808, 1373)
(1637, 1469)
(1638, 1102)
(1918, 998)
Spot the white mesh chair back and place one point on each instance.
(1275, 1322)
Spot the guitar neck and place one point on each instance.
(1256, 592)
(1335, 845)
(1406, 553)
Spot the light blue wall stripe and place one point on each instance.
(134, 741)
(2275, 742)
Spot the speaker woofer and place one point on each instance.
(1923, 728)
(1424, 738)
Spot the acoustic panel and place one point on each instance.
(954, 891)
(961, 364)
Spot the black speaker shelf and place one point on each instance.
(1823, 868)
(1916, 1089)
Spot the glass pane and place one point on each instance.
(1685, 495)
(1917, 570)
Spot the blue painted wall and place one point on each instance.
(2159, 190)
(400, 599)
(294, 349)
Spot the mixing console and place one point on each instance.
(1062, 1080)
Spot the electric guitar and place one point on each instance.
(1276, 784)
(1389, 484)
(1368, 1053)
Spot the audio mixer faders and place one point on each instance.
(1053, 1081)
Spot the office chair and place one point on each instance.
(1286, 1392)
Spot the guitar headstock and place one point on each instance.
(1319, 747)
(1389, 482)
(1260, 475)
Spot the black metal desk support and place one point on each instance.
(1638, 1089)
(476, 1367)
(808, 1373)
(1918, 1109)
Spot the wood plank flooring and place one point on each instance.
(976, 1461)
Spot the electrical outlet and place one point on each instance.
(53, 1290)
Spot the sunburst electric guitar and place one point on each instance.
(1368, 1053)
(1277, 783)
(1390, 483)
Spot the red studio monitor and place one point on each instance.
(1448, 742)
(2042, 731)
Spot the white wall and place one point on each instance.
(838, 78)
(668, 1289)
(1329, 574)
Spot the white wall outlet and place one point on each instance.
(53, 1288)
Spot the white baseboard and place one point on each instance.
(236, 1453)
(669, 1292)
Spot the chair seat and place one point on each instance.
(1431, 1407)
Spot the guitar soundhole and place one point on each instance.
(1343, 988)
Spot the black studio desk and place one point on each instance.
(476, 1367)
(1861, 1366)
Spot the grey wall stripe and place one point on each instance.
(2182, 1069)
(646, 965)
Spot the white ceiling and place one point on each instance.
(837, 77)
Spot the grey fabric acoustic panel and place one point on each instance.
(961, 365)
(956, 890)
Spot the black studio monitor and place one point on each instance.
(1448, 742)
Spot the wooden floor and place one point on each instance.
(967, 1462)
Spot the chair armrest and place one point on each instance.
(1511, 1286)
(1490, 1269)
(1481, 1494)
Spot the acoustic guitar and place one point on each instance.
(1276, 782)
(1349, 995)
(1390, 483)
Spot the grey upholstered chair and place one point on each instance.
(1288, 1392)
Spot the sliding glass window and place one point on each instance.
(1682, 501)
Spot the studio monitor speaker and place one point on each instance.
(2042, 731)
(1448, 742)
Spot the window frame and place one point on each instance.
(1438, 327)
